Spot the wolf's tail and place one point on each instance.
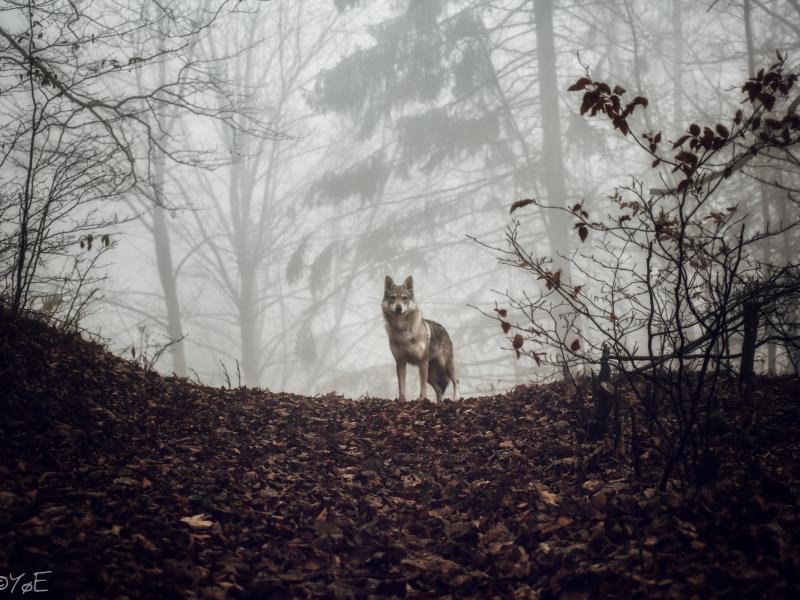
(437, 376)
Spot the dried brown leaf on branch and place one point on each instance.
(521, 203)
(517, 343)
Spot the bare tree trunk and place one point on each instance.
(170, 286)
(249, 325)
(552, 165)
(748, 34)
(763, 188)
(603, 398)
(637, 60)
(166, 272)
(243, 221)
(677, 58)
(552, 160)
(751, 314)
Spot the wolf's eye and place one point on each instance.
(405, 297)
(392, 296)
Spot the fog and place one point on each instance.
(287, 155)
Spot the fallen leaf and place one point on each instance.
(199, 521)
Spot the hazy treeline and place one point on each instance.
(283, 156)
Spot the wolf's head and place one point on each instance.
(398, 299)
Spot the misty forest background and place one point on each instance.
(238, 177)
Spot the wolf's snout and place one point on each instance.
(398, 309)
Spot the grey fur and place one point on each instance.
(417, 341)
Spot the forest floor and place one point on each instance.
(124, 483)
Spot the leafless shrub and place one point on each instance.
(75, 135)
(149, 350)
(670, 282)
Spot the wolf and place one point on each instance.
(417, 341)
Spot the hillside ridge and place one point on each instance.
(123, 482)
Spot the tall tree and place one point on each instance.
(161, 237)
(254, 198)
(552, 153)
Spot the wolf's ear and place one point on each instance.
(388, 283)
(409, 283)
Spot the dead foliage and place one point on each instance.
(126, 483)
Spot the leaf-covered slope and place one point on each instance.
(126, 483)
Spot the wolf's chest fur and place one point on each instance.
(408, 340)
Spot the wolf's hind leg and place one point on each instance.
(437, 377)
(456, 388)
(452, 375)
(438, 389)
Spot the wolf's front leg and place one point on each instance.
(401, 380)
(423, 378)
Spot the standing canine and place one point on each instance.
(418, 341)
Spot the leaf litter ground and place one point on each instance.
(125, 483)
